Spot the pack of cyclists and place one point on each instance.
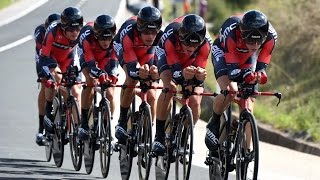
(240, 53)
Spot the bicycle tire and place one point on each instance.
(73, 125)
(105, 139)
(144, 141)
(48, 146)
(244, 158)
(58, 136)
(126, 151)
(185, 143)
(89, 145)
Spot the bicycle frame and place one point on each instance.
(179, 126)
(136, 143)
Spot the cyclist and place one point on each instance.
(57, 53)
(135, 45)
(39, 35)
(97, 59)
(241, 52)
(182, 56)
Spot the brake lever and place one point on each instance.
(278, 95)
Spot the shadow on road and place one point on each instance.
(35, 169)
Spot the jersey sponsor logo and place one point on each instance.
(209, 39)
(242, 50)
(37, 33)
(62, 46)
(117, 47)
(160, 52)
(133, 73)
(216, 52)
(52, 25)
(79, 51)
(125, 31)
(84, 35)
(37, 58)
(165, 35)
(176, 74)
(235, 72)
(224, 34)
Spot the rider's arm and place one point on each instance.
(47, 45)
(87, 51)
(265, 54)
(173, 61)
(201, 60)
(130, 58)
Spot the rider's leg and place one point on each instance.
(86, 102)
(194, 103)
(41, 107)
(49, 95)
(220, 103)
(152, 95)
(127, 96)
(162, 111)
(110, 97)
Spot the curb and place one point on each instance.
(276, 137)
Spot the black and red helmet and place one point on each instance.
(192, 30)
(71, 17)
(254, 27)
(104, 27)
(149, 18)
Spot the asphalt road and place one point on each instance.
(21, 158)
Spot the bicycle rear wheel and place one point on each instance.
(247, 156)
(184, 144)
(127, 150)
(144, 142)
(59, 135)
(75, 145)
(105, 139)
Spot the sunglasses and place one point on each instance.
(255, 37)
(73, 28)
(104, 38)
(149, 31)
(190, 44)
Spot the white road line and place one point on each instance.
(29, 37)
(23, 13)
(16, 43)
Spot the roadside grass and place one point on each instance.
(6, 3)
(298, 112)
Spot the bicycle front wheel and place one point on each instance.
(75, 145)
(127, 150)
(89, 146)
(247, 156)
(144, 142)
(58, 136)
(105, 139)
(184, 141)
